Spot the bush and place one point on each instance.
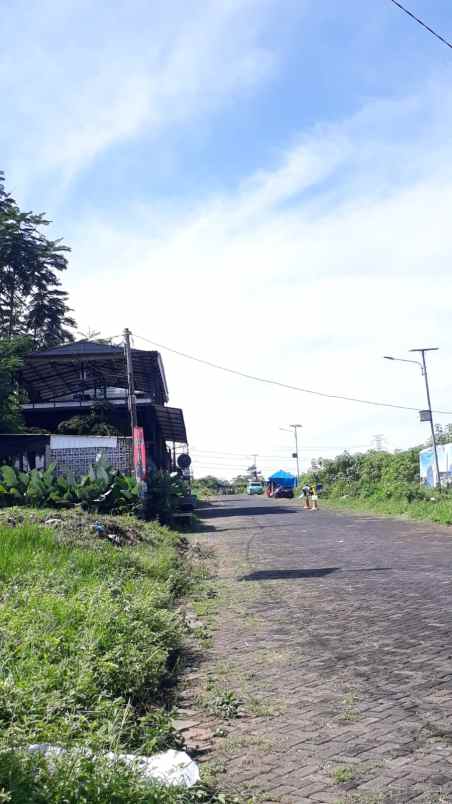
(164, 495)
(102, 490)
(382, 482)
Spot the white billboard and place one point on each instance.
(427, 464)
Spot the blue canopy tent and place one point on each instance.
(284, 479)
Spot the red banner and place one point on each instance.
(139, 453)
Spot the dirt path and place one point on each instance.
(335, 632)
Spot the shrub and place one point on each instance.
(164, 494)
(102, 490)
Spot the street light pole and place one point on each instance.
(295, 429)
(423, 367)
(424, 372)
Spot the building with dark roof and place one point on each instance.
(74, 379)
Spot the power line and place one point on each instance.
(424, 25)
(199, 453)
(282, 384)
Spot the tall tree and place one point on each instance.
(12, 353)
(31, 301)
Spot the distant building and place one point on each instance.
(70, 381)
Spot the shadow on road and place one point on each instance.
(299, 574)
(263, 510)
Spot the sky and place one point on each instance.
(264, 184)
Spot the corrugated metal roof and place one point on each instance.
(70, 369)
(171, 423)
(83, 347)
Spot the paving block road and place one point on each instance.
(335, 631)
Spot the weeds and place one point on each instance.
(343, 775)
(26, 778)
(225, 704)
(88, 654)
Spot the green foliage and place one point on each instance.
(207, 486)
(164, 495)
(382, 482)
(95, 422)
(31, 302)
(29, 779)
(102, 490)
(225, 704)
(89, 638)
(12, 353)
(86, 638)
(343, 775)
(443, 434)
(374, 473)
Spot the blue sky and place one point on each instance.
(266, 184)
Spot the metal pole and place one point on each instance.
(296, 452)
(132, 400)
(435, 450)
(295, 429)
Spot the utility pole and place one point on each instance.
(432, 427)
(137, 434)
(297, 457)
(132, 400)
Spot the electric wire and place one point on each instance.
(250, 454)
(424, 25)
(285, 385)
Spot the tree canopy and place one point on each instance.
(32, 302)
(11, 360)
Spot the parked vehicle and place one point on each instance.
(281, 484)
(255, 487)
(282, 491)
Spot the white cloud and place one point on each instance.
(87, 78)
(295, 279)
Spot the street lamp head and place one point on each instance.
(388, 357)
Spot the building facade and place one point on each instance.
(86, 379)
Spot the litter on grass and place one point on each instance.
(169, 767)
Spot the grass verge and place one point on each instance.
(89, 643)
(438, 509)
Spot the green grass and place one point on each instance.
(89, 644)
(343, 775)
(437, 510)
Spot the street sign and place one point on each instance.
(425, 415)
(184, 461)
(294, 454)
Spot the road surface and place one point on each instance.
(336, 631)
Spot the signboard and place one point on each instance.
(82, 442)
(139, 454)
(425, 415)
(427, 465)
